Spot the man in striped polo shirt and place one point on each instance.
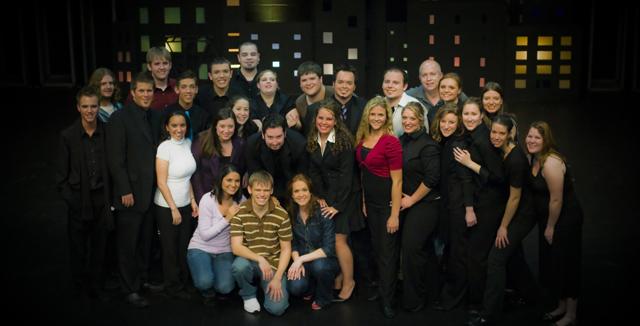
(261, 240)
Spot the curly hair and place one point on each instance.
(96, 79)
(344, 139)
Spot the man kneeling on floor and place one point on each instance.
(261, 240)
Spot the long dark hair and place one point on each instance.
(293, 207)
(165, 133)
(509, 121)
(210, 141)
(217, 186)
(344, 139)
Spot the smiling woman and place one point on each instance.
(379, 155)
(175, 202)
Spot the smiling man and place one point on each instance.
(84, 183)
(310, 76)
(261, 239)
(351, 105)
(213, 98)
(159, 65)
(394, 85)
(187, 90)
(277, 150)
(131, 147)
(245, 78)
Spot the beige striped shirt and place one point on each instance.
(262, 235)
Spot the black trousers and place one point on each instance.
(481, 239)
(509, 262)
(386, 247)
(365, 269)
(134, 231)
(455, 285)
(87, 244)
(419, 261)
(174, 240)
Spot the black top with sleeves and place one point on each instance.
(420, 164)
(456, 181)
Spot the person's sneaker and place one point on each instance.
(251, 305)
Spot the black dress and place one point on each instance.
(560, 261)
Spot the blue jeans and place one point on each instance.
(211, 271)
(245, 272)
(322, 271)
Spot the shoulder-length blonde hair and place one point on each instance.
(364, 129)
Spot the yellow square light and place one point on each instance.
(545, 40)
(521, 69)
(565, 55)
(521, 55)
(544, 55)
(522, 40)
(564, 84)
(543, 69)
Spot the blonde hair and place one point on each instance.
(417, 110)
(364, 129)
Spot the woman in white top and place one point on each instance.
(209, 255)
(175, 202)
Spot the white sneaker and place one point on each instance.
(251, 305)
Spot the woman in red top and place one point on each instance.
(379, 155)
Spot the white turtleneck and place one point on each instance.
(181, 166)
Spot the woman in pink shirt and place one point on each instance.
(379, 154)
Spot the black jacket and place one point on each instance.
(131, 148)
(290, 159)
(72, 177)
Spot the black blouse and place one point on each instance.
(420, 164)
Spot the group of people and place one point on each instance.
(249, 187)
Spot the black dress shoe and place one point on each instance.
(547, 316)
(209, 301)
(136, 300)
(478, 321)
(153, 288)
(373, 294)
(388, 312)
(416, 308)
(180, 295)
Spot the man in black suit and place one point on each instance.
(83, 181)
(133, 134)
(279, 151)
(351, 105)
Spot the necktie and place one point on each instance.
(343, 114)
